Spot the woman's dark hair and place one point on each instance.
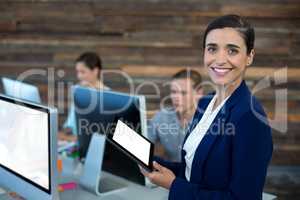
(236, 22)
(91, 60)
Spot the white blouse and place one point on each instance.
(198, 133)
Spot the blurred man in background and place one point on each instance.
(168, 127)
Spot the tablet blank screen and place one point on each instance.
(132, 142)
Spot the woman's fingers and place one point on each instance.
(152, 176)
(158, 167)
(160, 176)
(143, 171)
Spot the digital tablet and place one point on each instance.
(132, 144)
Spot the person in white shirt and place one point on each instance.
(88, 68)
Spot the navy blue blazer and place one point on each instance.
(231, 161)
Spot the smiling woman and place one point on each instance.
(225, 56)
(227, 161)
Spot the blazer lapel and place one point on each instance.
(198, 114)
(210, 137)
(202, 105)
(205, 145)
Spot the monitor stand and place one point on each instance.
(92, 179)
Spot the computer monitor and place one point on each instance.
(97, 112)
(21, 90)
(28, 149)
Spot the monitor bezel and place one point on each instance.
(43, 109)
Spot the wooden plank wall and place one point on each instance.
(150, 40)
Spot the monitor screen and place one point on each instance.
(24, 143)
(21, 90)
(102, 109)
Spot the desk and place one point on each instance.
(71, 172)
(131, 191)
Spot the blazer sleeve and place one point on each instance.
(173, 166)
(251, 153)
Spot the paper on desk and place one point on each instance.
(65, 145)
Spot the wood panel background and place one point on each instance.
(149, 40)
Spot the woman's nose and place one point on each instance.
(221, 58)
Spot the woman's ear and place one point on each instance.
(250, 57)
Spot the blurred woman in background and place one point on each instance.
(88, 67)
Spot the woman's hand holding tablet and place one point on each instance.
(161, 175)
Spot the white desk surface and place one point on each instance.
(131, 192)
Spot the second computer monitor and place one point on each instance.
(21, 90)
(97, 112)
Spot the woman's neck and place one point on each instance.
(224, 91)
(97, 84)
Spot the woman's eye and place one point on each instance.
(232, 51)
(211, 49)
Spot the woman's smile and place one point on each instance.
(221, 71)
